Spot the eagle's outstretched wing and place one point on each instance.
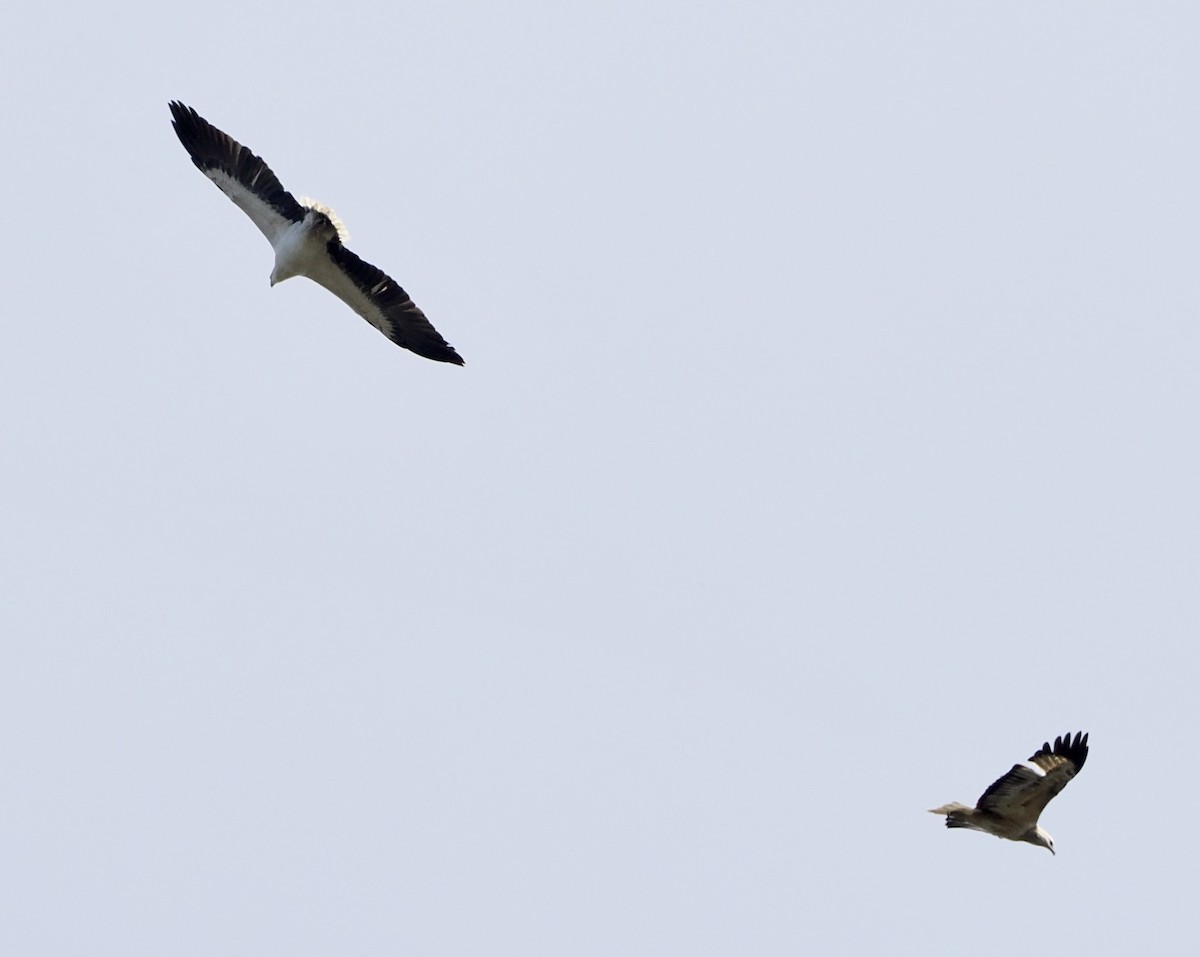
(1023, 792)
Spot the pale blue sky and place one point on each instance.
(826, 442)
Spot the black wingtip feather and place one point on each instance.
(1075, 750)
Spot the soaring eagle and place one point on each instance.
(1011, 806)
(308, 237)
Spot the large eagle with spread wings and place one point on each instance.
(1011, 806)
(308, 238)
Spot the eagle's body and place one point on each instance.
(307, 237)
(1011, 806)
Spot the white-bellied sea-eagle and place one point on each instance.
(1011, 806)
(308, 237)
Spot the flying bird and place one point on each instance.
(308, 238)
(1011, 806)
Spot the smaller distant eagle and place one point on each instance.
(307, 237)
(1011, 806)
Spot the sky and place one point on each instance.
(826, 442)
